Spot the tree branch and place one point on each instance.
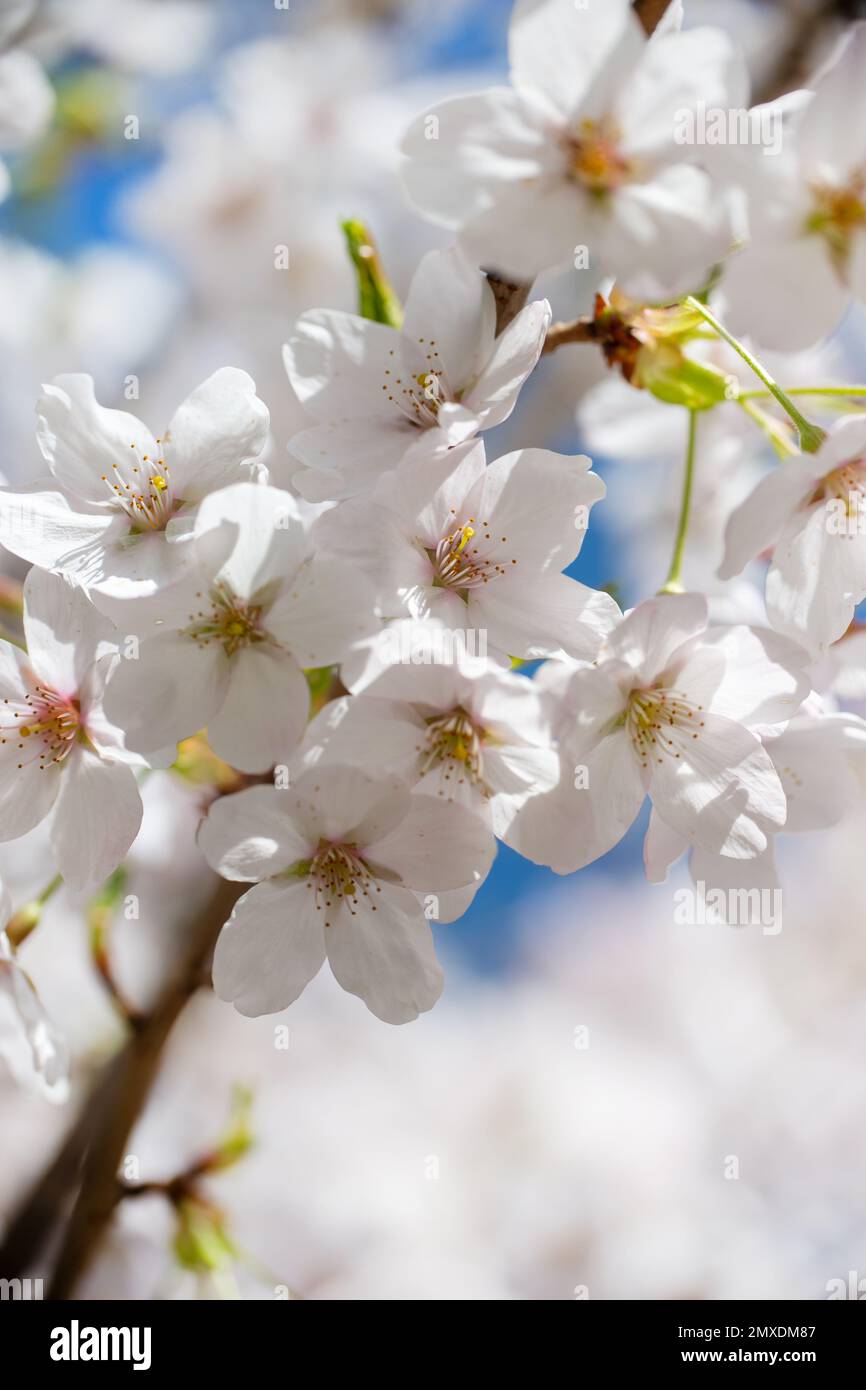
(94, 1149)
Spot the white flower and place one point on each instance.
(806, 255)
(462, 730)
(35, 1053)
(57, 749)
(582, 150)
(381, 394)
(342, 856)
(813, 756)
(812, 511)
(256, 609)
(481, 548)
(121, 503)
(673, 711)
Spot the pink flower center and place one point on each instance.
(45, 730)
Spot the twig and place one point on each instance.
(91, 1155)
(134, 1072)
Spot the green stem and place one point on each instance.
(776, 430)
(807, 391)
(811, 436)
(673, 583)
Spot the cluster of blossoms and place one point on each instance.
(353, 644)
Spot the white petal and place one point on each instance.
(170, 692)
(250, 835)
(65, 634)
(96, 818)
(33, 1049)
(515, 354)
(437, 845)
(38, 524)
(269, 949)
(832, 132)
(764, 679)
(599, 794)
(451, 305)
(343, 803)
(269, 535)
(220, 427)
(264, 712)
(757, 522)
(649, 635)
(336, 363)
(536, 507)
(722, 793)
(815, 580)
(386, 958)
(556, 49)
(542, 616)
(325, 608)
(662, 847)
(784, 294)
(462, 150)
(82, 441)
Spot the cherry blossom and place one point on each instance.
(382, 395)
(256, 608)
(806, 251)
(582, 150)
(671, 710)
(120, 503)
(58, 752)
(463, 730)
(481, 548)
(812, 511)
(338, 861)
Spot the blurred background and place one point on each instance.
(604, 1104)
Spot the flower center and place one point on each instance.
(338, 877)
(45, 729)
(656, 720)
(847, 484)
(837, 213)
(143, 491)
(465, 558)
(594, 159)
(231, 621)
(456, 743)
(419, 395)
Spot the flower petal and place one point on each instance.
(387, 958)
(269, 949)
(96, 817)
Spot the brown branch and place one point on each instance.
(92, 1152)
(650, 13)
(578, 331)
(133, 1074)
